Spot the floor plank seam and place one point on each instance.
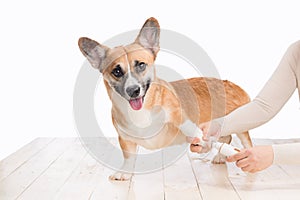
(198, 186)
(27, 160)
(163, 174)
(90, 196)
(70, 145)
(71, 173)
(92, 192)
(57, 168)
(236, 191)
(279, 166)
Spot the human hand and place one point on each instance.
(254, 159)
(197, 148)
(210, 130)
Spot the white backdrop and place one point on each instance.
(40, 59)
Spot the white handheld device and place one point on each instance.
(190, 129)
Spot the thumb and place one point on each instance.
(195, 141)
(202, 126)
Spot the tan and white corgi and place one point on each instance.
(147, 110)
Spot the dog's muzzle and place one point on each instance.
(133, 91)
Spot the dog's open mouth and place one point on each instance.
(136, 104)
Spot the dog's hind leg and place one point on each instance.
(245, 139)
(219, 158)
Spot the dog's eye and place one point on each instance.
(117, 71)
(141, 66)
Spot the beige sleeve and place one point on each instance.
(268, 103)
(271, 98)
(286, 153)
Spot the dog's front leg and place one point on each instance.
(129, 153)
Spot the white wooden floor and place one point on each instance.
(60, 168)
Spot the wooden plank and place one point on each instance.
(85, 178)
(279, 182)
(213, 180)
(180, 181)
(110, 190)
(147, 186)
(293, 171)
(60, 169)
(15, 160)
(106, 189)
(13, 185)
(49, 183)
(82, 181)
(268, 184)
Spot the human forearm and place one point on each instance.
(261, 157)
(286, 153)
(246, 117)
(271, 98)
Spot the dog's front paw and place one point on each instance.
(120, 176)
(219, 159)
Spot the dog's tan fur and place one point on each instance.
(196, 99)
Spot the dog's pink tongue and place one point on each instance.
(136, 104)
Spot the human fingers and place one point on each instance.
(204, 127)
(241, 155)
(210, 129)
(207, 130)
(248, 168)
(243, 162)
(195, 147)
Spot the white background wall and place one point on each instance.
(39, 57)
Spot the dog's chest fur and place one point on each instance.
(143, 126)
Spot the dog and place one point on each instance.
(147, 110)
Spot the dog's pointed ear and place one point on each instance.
(93, 51)
(149, 35)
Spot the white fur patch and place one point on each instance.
(140, 118)
(128, 66)
(139, 123)
(130, 79)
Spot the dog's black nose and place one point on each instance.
(133, 91)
